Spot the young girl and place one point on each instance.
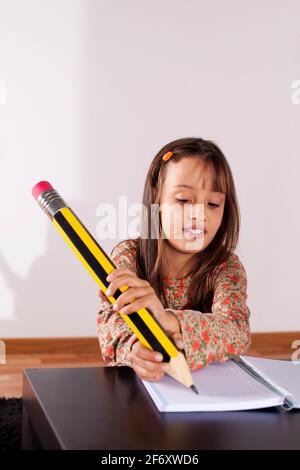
(194, 284)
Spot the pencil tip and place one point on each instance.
(194, 389)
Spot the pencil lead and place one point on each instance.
(194, 389)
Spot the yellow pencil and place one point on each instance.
(146, 328)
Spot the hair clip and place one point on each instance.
(167, 156)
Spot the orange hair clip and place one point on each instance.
(167, 156)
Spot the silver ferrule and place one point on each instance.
(51, 202)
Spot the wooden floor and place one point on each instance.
(85, 352)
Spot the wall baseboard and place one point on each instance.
(67, 345)
(273, 344)
(278, 345)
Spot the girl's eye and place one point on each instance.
(183, 201)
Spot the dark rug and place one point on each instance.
(10, 423)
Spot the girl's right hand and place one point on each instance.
(147, 363)
(143, 359)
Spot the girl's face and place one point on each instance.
(188, 202)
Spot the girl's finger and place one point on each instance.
(178, 340)
(151, 367)
(102, 295)
(145, 374)
(144, 302)
(131, 294)
(130, 281)
(145, 353)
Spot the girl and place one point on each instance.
(194, 283)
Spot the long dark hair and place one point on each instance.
(149, 250)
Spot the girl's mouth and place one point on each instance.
(194, 233)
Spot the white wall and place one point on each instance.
(93, 89)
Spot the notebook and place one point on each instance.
(241, 383)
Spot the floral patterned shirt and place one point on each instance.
(207, 336)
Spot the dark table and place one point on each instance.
(109, 408)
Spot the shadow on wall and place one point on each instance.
(58, 297)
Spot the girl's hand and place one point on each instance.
(139, 295)
(147, 363)
(102, 295)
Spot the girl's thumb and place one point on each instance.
(177, 337)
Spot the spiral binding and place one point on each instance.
(288, 400)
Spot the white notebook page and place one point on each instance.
(222, 386)
(284, 373)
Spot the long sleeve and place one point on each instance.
(115, 336)
(224, 332)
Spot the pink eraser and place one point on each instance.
(40, 187)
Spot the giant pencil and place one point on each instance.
(147, 329)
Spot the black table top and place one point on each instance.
(109, 408)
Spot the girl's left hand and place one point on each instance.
(139, 295)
